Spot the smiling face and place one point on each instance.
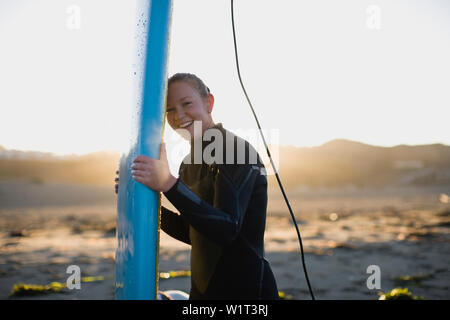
(185, 105)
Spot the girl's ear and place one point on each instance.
(210, 102)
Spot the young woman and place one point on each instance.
(221, 196)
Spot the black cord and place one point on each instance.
(270, 157)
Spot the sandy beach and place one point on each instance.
(44, 228)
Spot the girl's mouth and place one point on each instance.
(186, 124)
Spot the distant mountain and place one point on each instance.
(340, 162)
(96, 168)
(335, 164)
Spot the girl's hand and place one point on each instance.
(153, 173)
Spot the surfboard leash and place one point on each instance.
(270, 157)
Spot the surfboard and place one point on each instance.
(138, 207)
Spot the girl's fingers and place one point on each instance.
(139, 179)
(142, 159)
(138, 173)
(140, 166)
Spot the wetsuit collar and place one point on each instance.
(204, 143)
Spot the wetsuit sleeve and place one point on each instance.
(174, 225)
(222, 221)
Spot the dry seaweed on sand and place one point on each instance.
(284, 296)
(398, 294)
(174, 274)
(415, 280)
(23, 289)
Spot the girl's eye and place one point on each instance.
(187, 103)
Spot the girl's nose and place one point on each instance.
(179, 114)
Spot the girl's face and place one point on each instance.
(184, 106)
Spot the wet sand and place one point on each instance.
(403, 232)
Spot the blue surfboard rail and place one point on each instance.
(138, 207)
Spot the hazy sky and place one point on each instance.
(371, 71)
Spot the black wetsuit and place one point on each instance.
(223, 216)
